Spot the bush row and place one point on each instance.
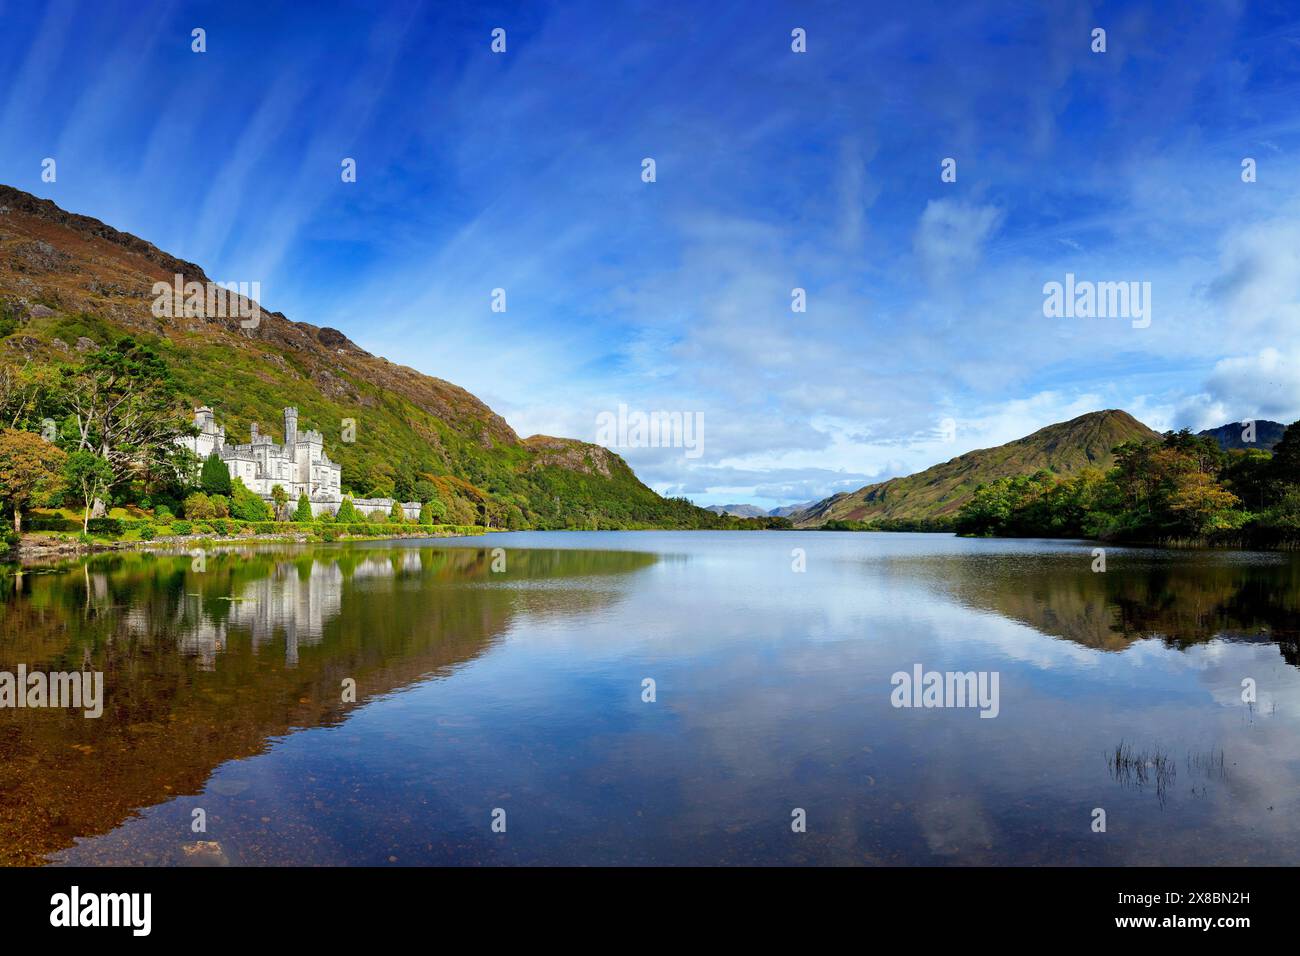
(148, 529)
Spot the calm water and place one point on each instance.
(522, 690)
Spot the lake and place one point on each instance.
(510, 690)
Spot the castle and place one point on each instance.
(300, 465)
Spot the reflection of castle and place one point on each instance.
(300, 465)
(285, 602)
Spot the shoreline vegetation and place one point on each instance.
(1182, 490)
(90, 459)
(1179, 491)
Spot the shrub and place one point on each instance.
(395, 513)
(220, 526)
(199, 505)
(182, 527)
(221, 506)
(109, 526)
(302, 513)
(246, 505)
(347, 513)
(148, 532)
(163, 513)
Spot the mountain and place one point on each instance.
(740, 511)
(786, 511)
(70, 283)
(1229, 436)
(938, 492)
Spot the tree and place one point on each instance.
(1286, 457)
(28, 394)
(302, 514)
(127, 409)
(347, 513)
(90, 477)
(215, 476)
(395, 514)
(199, 506)
(1198, 504)
(245, 504)
(281, 499)
(30, 469)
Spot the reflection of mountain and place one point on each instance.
(1183, 602)
(205, 667)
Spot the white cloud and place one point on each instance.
(951, 234)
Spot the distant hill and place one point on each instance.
(786, 511)
(754, 511)
(1267, 434)
(740, 511)
(940, 491)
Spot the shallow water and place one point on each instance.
(522, 691)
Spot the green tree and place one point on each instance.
(395, 513)
(90, 477)
(30, 469)
(246, 505)
(347, 513)
(198, 506)
(302, 514)
(215, 476)
(127, 409)
(1286, 457)
(280, 497)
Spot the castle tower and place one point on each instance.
(290, 427)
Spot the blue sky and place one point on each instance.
(775, 170)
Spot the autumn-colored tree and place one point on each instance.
(1199, 504)
(30, 470)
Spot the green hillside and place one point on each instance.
(70, 284)
(937, 493)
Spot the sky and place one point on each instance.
(924, 334)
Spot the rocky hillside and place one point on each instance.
(69, 283)
(938, 492)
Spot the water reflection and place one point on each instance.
(522, 689)
(208, 666)
(1180, 598)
